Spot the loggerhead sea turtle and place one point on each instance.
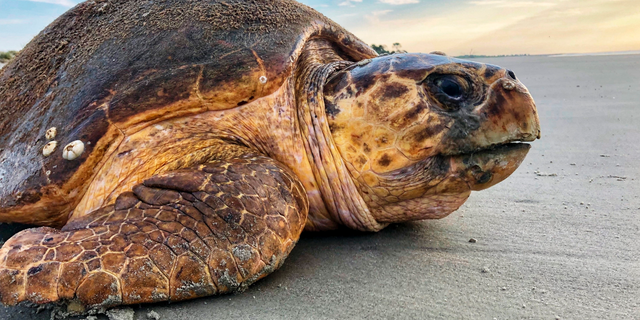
(183, 145)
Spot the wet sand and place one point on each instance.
(559, 239)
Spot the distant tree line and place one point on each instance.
(382, 49)
(5, 56)
(472, 56)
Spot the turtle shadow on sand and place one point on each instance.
(7, 230)
(395, 232)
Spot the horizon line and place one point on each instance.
(556, 54)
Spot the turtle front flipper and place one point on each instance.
(210, 229)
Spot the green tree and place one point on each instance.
(397, 48)
(6, 56)
(382, 49)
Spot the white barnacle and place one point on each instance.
(49, 148)
(73, 150)
(263, 79)
(508, 85)
(51, 133)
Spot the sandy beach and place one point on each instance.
(559, 239)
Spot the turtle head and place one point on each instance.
(419, 132)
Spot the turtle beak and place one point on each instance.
(509, 114)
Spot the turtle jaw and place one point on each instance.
(486, 168)
(437, 186)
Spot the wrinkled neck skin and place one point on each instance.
(335, 193)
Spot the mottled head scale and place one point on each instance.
(183, 145)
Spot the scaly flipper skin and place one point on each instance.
(210, 229)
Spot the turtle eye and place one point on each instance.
(450, 87)
(450, 91)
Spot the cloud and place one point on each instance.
(448, 30)
(511, 4)
(398, 2)
(571, 26)
(66, 3)
(12, 21)
(374, 17)
(348, 3)
(348, 15)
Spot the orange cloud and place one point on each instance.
(511, 27)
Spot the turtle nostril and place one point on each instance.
(511, 75)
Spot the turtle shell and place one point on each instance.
(105, 66)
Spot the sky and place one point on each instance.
(457, 27)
